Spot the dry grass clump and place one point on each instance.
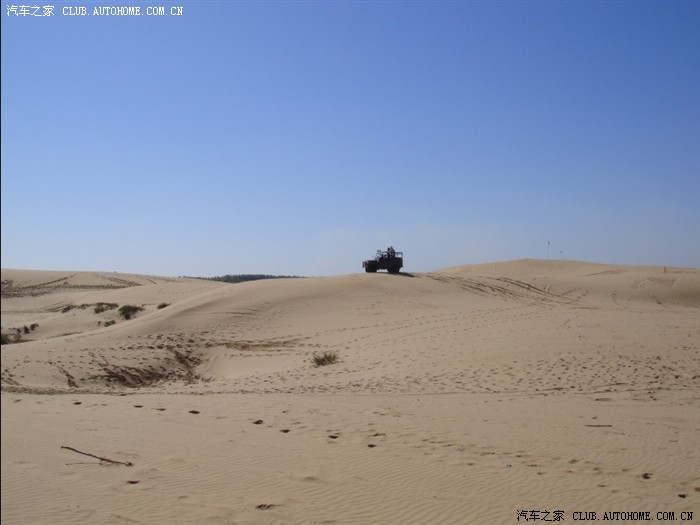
(128, 311)
(103, 307)
(8, 339)
(324, 358)
(15, 334)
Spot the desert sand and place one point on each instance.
(475, 394)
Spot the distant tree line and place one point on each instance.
(241, 278)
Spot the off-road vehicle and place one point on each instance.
(389, 260)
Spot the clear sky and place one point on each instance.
(300, 137)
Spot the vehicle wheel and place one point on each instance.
(371, 268)
(395, 269)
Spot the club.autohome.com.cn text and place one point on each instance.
(33, 10)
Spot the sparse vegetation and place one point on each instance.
(163, 305)
(128, 311)
(110, 323)
(182, 366)
(324, 358)
(103, 307)
(99, 307)
(8, 339)
(15, 335)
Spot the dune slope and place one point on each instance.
(521, 326)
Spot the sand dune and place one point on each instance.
(460, 396)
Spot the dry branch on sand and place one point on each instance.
(102, 460)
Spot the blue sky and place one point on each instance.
(299, 137)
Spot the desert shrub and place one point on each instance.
(8, 339)
(34, 326)
(110, 323)
(70, 307)
(163, 305)
(103, 307)
(26, 329)
(128, 311)
(324, 358)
